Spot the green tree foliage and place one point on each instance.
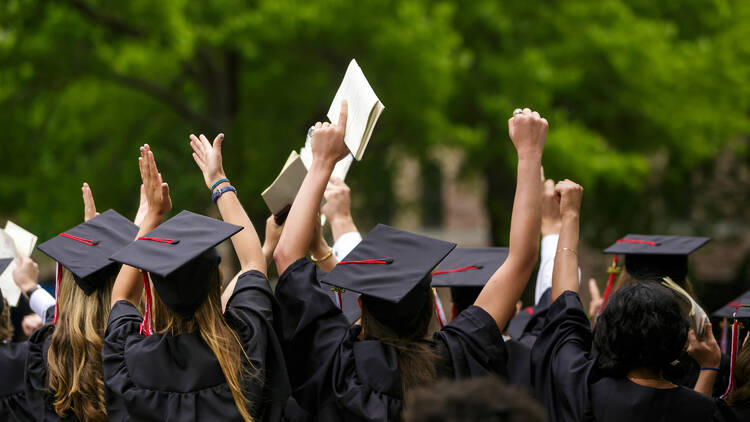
(639, 94)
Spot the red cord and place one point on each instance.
(733, 357)
(58, 277)
(80, 239)
(341, 300)
(457, 270)
(644, 242)
(147, 324)
(368, 261)
(159, 239)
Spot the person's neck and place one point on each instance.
(648, 378)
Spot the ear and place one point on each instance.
(359, 302)
(454, 311)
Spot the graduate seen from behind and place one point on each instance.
(64, 366)
(341, 371)
(617, 375)
(186, 360)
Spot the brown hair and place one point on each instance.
(416, 357)
(209, 321)
(741, 396)
(74, 360)
(6, 326)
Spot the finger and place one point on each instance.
(542, 171)
(195, 143)
(318, 125)
(549, 187)
(165, 188)
(527, 111)
(535, 114)
(218, 141)
(344, 114)
(594, 290)
(336, 181)
(205, 142)
(201, 164)
(326, 125)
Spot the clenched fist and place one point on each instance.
(569, 194)
(528, 131)
(328, 139)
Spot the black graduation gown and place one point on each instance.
(686, 371)
(565, 380)
(13, 404)
(38, 394)
(178, 378)
(519, 364)
(529, 322)
(337, 377)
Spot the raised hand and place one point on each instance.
(273, 233)
(31, 323)
(208, 157)
(569, 194)
(89, 207)
(142, 208)
(528, 131)
(551, 221)
(26, 272)
(596, 298)
(156, 191)
(328, 139)
(704, 350)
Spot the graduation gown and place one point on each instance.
(529, 322)
(519, 364)
(566, 383)
(178, 378)
(13, 404)
(337, 377)
(38, 394)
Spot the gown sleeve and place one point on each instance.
(474, 345)
(312, 330)
(36, 383)
(251, 311)
(561, 363)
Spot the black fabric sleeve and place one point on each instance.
(312, 329)
(561, 363)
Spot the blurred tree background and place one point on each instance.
(647, 101)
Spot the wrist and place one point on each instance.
(27, 286)
(29, 289)
(571, 216)
(320, 249)
(323, 164)
(531, 154)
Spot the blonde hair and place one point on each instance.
(209, 321)
(74, 360)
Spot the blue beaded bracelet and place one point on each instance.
(218, 182)
(215, 196)
(710, 369)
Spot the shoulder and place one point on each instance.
(302, 268)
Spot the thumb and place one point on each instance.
(218, 141)
(165, 188)
(549, 187)
(343, 115)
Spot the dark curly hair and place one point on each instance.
(644, 325)
(474, 399)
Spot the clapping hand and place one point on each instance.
(208, 157)
(89, 207)
(154, 187)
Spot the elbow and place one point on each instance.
(281, 257)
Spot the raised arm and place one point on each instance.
(337, 208)
(528, 131)
(328, 148)
(246, 242)
(565, 274)
(128, 284)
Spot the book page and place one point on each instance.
(284, 189)
(24, 240)
(10, 290)
(361, 98)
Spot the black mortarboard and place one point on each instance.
(466, 271)
(727, 311)
(3, 265)
(469, 267)
(180, 256)
(387, 268)
(655, 256)
(85, 249)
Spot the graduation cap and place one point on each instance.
(180, 256)
(739, 311)
(466, 271)
(391, 269)
(655, 256)
(85, 249)
(3, 266)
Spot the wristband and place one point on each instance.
(218, 182)
(215, 196)
(326, 256)
(710, 369)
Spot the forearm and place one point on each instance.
(322, 250)
(565, 273)
(500, 294)
(129, 282)
(298, 229)
(705, 383)
(342, 225)
(246, 242)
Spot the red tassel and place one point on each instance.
(147, 324)
(735, 335)
(341, 300)
(613, 271)
(58, 278)
(439, 309)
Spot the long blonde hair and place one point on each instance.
(74, 360)
(209, 321)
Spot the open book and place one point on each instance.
(364, 109)
(280, 195)
(13, 239)
(698, 317)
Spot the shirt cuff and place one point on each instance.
(549, 246)
(40, 301)
(345, 243)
